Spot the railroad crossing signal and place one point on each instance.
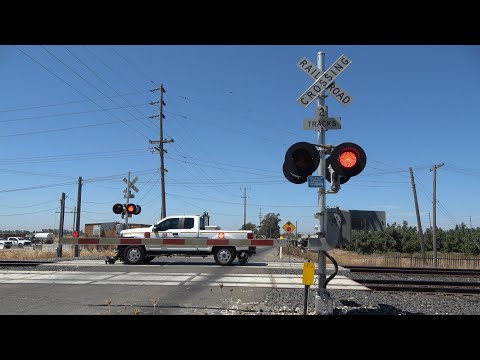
(127, 209)
(335, 90)
(301, 160)
(132, 184)
(288, 227)
(324, 81)
(346, 160)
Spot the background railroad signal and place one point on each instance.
(130, 209)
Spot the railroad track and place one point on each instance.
(23, 262)
(433, 286)
(388, 282)
(419, 271)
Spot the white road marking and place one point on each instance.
(290, 281)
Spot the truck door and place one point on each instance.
(172, 228)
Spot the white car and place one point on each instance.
(19, 241)
(5, 243)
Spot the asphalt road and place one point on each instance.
(65, 293)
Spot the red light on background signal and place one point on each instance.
(75, 234)
(348, 159)
(131, 208)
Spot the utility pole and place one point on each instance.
(79, 204)
(160, 148)
(471, 222)
(244, 206)
(430, 220)
(260, 217)
(419, 222)
(60, 224)
(434, 229)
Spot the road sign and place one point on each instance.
(130, 196)
(322, 121)
(324, 81)
(288, 227)
(335, 90)
(321, 111)
(316, 181)
(334, 123)
(132, 185)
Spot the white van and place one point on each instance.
(43, 238)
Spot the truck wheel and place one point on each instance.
(224, 256)
(134, 255)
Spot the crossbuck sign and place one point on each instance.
(324, 81)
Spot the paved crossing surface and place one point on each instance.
(245, 276)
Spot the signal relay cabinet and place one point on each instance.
(338, 231)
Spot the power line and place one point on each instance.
(61, 129)
(134, 66)
(58, 77)
(121, 77)
(37, 187)
(67, 114)
(29, 213)
(70, 102)
(74, 156)
(101, 79)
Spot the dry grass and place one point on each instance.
(29, 253)
(342, 257)
(348, 258)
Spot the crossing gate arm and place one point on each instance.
(173, 241)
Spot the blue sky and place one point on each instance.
(70, 111)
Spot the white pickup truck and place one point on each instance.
(186, 235)
(19, 241)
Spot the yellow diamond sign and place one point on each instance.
(288, 227)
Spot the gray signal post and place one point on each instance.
(323, 301)
(324, 80)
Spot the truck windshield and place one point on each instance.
(167, 224)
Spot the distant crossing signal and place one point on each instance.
(122, 209)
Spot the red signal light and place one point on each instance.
(76, 234)
(131, 208)
(348, 159)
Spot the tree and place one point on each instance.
(270, 226)
(250, 226)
